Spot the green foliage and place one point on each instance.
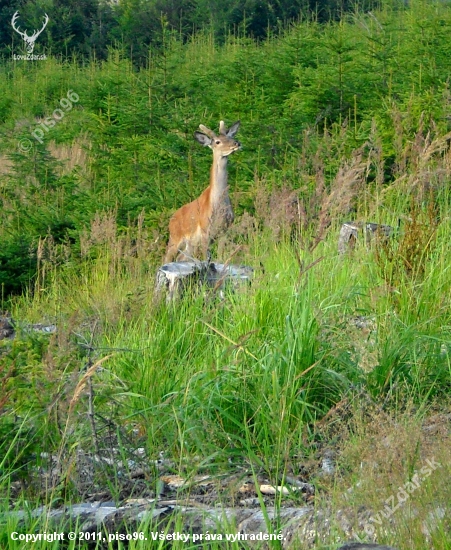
(323, 89)
(339, 121)
(90, 28)
(17, 264)
(417, 363)
(21, 438)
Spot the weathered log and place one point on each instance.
(9, 327)
(351, 231)
(363, 546)
(175, 277)
(297, 527)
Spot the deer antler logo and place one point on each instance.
(29, 40)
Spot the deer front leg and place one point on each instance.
(171, 252)
(205, 246)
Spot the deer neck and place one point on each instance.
(218, 180)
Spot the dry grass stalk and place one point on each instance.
(340, 199)
(279, 210)
(6, 375)
(71, 157)
(103, 231)
(6, 165)
(426, 164)
(84, 379)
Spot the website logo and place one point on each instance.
(29, 40)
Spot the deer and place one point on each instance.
(194, 226)
(29, 40)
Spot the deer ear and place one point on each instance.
(202, 139)
(233, 129)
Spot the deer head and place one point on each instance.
(223, 144)
(29, 40)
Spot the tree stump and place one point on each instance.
(351, 231)
(174, 278)
(6, 327)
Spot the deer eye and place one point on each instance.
(217, 142)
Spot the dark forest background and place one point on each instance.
(91, 27)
